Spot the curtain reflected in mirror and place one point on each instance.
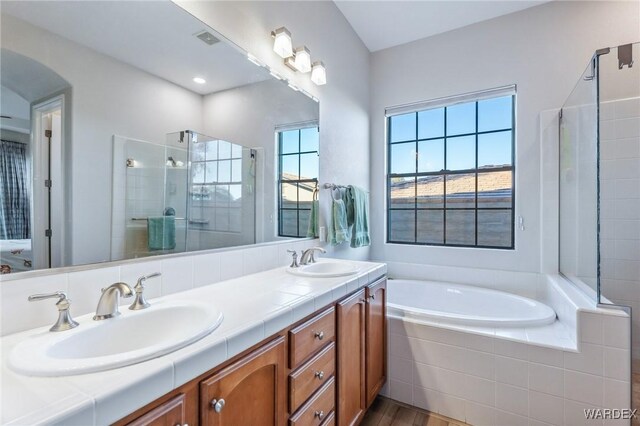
(15, 207)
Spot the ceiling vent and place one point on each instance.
(207, 37)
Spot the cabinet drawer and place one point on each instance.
(308, 338)
(316, 410)
(308, 378)
(330, 420)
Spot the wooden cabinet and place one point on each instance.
(351, 358)
(307, 379)
(316, 410)
(325, 370)
(308, 338)
(376, 338)
(251, 391)
(170, 413)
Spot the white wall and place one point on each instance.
(248, 115)
(344, 100)
(543, 50)
(16, 107)
(146, 108)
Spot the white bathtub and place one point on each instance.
(462, 304)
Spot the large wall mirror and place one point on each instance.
(132, 129)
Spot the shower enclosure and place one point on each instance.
(194, 192)
(600, 183)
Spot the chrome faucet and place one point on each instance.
(307, 255)
(64, 322)
(108, 303)
(141, 301)
(294, 258)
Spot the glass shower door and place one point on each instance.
(221, 202)
(619, 173)
(579, 183)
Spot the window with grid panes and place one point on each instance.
(216, 185)
(297, 179)
(450, 179)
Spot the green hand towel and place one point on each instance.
(338, 229)
(358, 216)
(312, 231)
(161, 233)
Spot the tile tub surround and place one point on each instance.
(255, 306)
(505, 381)
(620, 205)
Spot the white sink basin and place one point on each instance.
(324, 269)
(132, 337)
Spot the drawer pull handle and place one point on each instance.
(319, 414)
(217, 404)
(319, 335)
(320, 375)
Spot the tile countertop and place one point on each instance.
(254, 306)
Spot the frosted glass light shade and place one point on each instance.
(318, 73)
(282, 42)
(303, 59)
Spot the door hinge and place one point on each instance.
(47, 232)
(47, 183)
(47, 133)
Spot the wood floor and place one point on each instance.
(385, 412)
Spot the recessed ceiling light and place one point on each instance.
(199, 80)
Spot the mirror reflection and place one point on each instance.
(131, 129)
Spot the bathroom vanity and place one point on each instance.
(323, 370)
(290, 350)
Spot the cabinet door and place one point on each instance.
(351, 359)
(170, 413)
(250, 392)
(376, 338)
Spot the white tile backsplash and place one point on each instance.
(178, 274)
(206, 269)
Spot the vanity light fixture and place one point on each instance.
(319, 73)
(282, 42)
(298, 59)
(301, 60)
(199, 80)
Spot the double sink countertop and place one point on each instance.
(254, 306)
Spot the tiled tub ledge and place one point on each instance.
(254, 306)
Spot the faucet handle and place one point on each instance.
(146, 277)
(141, 302)
(64, 322)
(294, 258)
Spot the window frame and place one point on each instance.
(444, 173)
(216, 184)
(297, 182)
